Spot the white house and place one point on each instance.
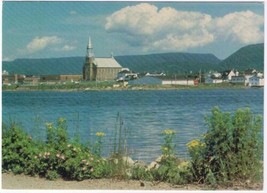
(248, 74)
(238, 79)
(209, 80)
(256, 81)
(126, 75)
(216, 75)
(260, 74)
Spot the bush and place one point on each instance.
(230, 150)
(17, 149)
(171, 169)
(55, 158)
(141, 173)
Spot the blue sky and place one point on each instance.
(61, 29)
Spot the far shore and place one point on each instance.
(78, 88)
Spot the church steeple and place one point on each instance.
(89, 67)
(90, 53)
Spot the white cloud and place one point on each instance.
(152, 28)
(65, 48)
(40, 43)
(68, 48)
(244, 27)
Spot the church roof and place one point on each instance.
(107, 63)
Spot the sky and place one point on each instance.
(61, 29)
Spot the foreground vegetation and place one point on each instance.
(230, 151)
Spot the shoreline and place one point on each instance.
(134, 88)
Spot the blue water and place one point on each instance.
(144, 113)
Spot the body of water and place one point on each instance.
(144, 113)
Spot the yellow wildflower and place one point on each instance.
(49, 125)
(100, 134)
(168, 132)
(165, 148)
(61, 120)
(184, 164)
(194, 143)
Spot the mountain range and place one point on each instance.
(251, 56)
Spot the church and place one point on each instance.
(99, 69)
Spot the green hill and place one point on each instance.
(49, 66)
(251, 56)
(168, 62)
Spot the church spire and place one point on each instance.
(90, 53)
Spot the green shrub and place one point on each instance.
(168, 148)
(57, 157)
(141, 173)
(171, 169)
(52, 175)
(230, 150)
(17, 149)
(98, 146)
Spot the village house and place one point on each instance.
(256, 81)
(210, 80)
(213, 78)
(238, 79)
(31, 79)
(60, 78)
(248, 74)
(12, 78)
(228, 74)
(126, 75)
(216, 75)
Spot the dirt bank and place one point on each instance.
(11, 181)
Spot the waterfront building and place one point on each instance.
(228, 74)
(248, 74)
(256, 81)
(61, 78)
(126, 75)
(213, 78)
(238, 79)
(31, 79)
(99, 69)
(12, 79)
